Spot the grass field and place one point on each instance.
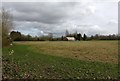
(56, 60)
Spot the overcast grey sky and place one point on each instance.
(40, 18)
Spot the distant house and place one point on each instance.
(70, 38)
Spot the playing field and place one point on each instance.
(61, 59)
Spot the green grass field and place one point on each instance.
(61, 60)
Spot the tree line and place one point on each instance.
(17, 36)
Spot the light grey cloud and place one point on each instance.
(90, 17)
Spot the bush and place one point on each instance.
(5, 41)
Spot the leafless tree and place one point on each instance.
(7, 25)
(0, 29)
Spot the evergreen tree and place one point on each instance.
(79, 37)
(62, 38)
(84, 37)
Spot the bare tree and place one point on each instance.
(7, 25)
(66, 33)
(0, 29)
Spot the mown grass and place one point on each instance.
(26, 63)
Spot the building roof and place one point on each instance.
(70, 38)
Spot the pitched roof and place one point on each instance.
(70, 38)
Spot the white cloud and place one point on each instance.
(60, 0)
(92, 9)
(113, 21)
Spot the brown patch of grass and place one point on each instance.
(103, 51)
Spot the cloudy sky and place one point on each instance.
(86, 16)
